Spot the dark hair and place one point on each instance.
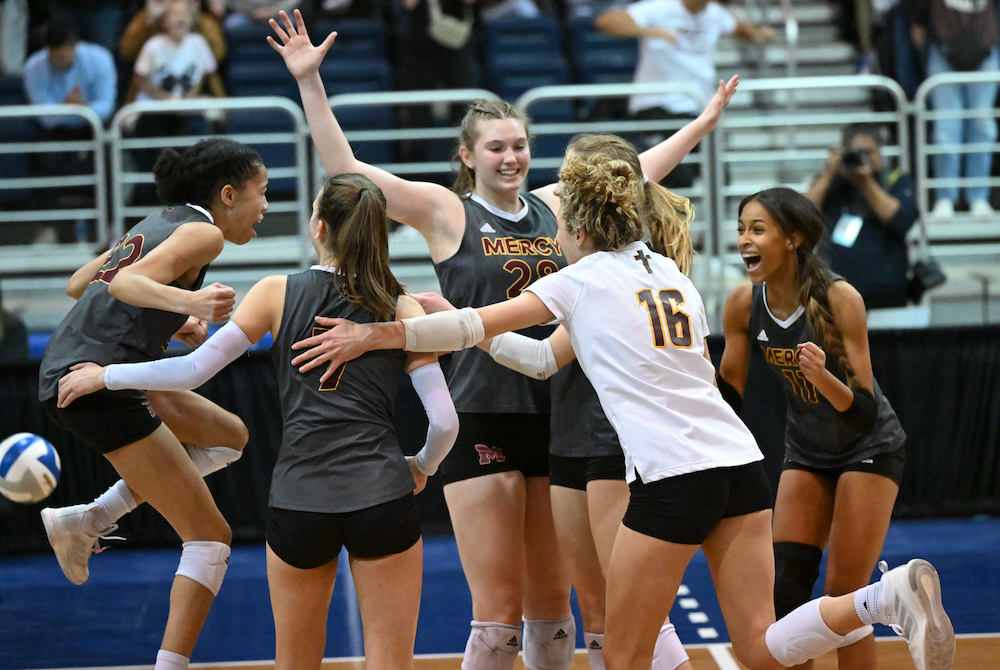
(795, 213)
(478, 111)
(353, 208)
(666, 215)
(858, 129)
(199, 174)
(58, 33)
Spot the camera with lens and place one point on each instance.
(852, 159)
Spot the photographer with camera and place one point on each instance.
(867, 214)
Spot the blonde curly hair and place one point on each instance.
(600, 195)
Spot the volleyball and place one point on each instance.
(29, 468)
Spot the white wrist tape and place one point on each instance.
(181, 373)
(444, 331)
(528, 356)
(442, 420)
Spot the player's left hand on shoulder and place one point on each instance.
(83, 379)
(342, 341)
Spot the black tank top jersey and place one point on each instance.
(496, 260)
(580, 429)
(105, 330)
(815, 434)
(338, 449)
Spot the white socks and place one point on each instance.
(594, 642)
(869, 603)
(168, 660)
(112, 505)
(801, 635)
(668, 653)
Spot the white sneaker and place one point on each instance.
(943, 209)
(914, 611)
(72, 545)
(981, 209)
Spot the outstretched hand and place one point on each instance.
(713, 110)
(301, 57)
(83, 379)
(342, 342)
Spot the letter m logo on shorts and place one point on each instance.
(487, 454)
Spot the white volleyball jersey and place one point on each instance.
(638, 327)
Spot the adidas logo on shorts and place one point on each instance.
(594, 645)
(487, 228)
(868, 461)
(512, 642)
(560, 635)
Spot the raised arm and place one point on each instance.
(430, 208)
(181, 256)
(658, 161)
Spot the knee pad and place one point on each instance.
(549, 645)
(668, 653)
(796, 568)
(856, 635)
(594, 642)
(801, 636)
(213, 459)
(491, 646)
(205, 563)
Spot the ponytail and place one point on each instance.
(354, 210)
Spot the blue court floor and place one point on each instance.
(117, 617)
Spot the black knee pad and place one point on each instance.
(796, 568)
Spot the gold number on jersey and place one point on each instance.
(521, 268)
(333, 381)
(666, 318)
(802, 387)
(134, 247)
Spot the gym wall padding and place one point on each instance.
(943, 383)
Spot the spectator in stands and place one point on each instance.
(99, 21)
(677, 41)
(248, 12)
(149, 22)
(867, 213)
(13, 37)
(960, 37)
(178, 62)
(590, 8)
(13, 337)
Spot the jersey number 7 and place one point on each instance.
(666, 318)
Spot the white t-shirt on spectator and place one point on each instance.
(691, 61)
(175, 67)
(650, 372)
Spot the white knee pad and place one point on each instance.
(205, 563)
(213, 459)
(800, 636)
(492, 646)
(594, 642)
(549, 645)
(856, 635)
(668, 653)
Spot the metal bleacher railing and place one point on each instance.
(752, 148)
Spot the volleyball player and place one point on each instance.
(138, 298)
(843, 443)
(487, 243)
(638, 328)
(340, 479)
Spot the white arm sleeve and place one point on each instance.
(444, 331)
(181, 373)
(428, 382)
(528, 356)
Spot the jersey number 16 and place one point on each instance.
(666, 318)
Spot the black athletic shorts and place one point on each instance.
(312, 539)
(575, 472)
(686, 508)
(106, 420)
(888, 465)
(489, 443)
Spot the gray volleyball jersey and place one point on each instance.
(105, 330)
(496, 260)
(580, 429)
(338, 448)
(815, 433)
